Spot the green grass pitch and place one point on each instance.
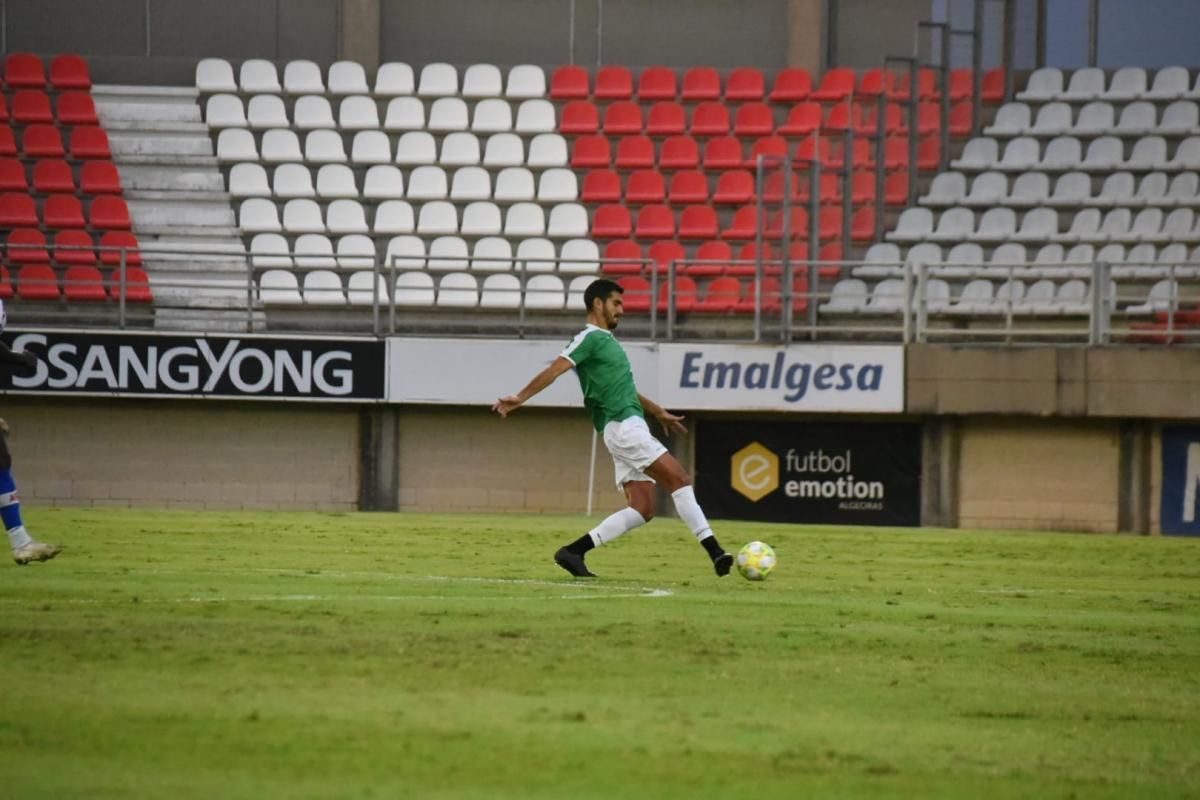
(272, 655)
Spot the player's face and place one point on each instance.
(612, 309)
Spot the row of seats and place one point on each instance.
(386, 182)
(46, 141)
(374, 147)
(1041, 225)
(41, 282)
(1071, 189)
(1128, 83)
(105, 212)
(73, 246)
(32, 106)
(54, 176)
(26, 71)
(479, 218)
(1044, 298)
(446, 114)
(1103, 154)
(350, 78)
(734, 187)
(698, 223)
(1097, 118)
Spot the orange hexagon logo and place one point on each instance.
(754, 472)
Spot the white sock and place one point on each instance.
(615, 525)
(690, 513)
(19, 537)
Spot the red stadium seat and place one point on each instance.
(601, 186)
(680, 152)
(862, 187)
(37, 282)
(635, 152)
(77, 108)
(745, 84)
(43, 141)
(12, 176)
(862, 225)
(614, 83)
(875, 82)
(895, 153)
(927, 86)
(689, 186)
(3, 108)
(841, 118)
(684, 295)
(622, 257)
(837, 84)
(63, 211)
(744, 224)
(90, 141)
(27, 245)
(962, 84)
(6, 289)
(773, 149)
(829, 224)
(657, 83)
(591, 151)
(53, 175)
(754, 119)
(710, 119)
(666, 119)
(717, 254)
(721, 296)
(701, 83)
(992, 89)
(67, 250)
(611, 222)
(748, 256)
(17, 211)
(792, 85)
(637, 293)
(579, 116)
(113, 242)
(929, 154)
(137, 285)
(70, 72)
(646, 186)
(569, 83)
(960, 119)
(655, 222)
(24, 71)
(797, 223)
(32, 106)
(622, 118)
(773, 186)
(663, 253)
(99, 177)
(735, 186)
(723, 152)
(895, 121)
(863, 155)
(929, 119)
(698, 222)
(110, 214)
(895, 189)
(771, 297)
(802, 119)
(830, 188)
(8, 142)
(84, 284)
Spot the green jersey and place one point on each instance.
(604, 375)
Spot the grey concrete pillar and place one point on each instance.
(360, 33)
(806, 34)
(379, 451)
(939, 472)
(1133, 474)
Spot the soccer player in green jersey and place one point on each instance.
(618, 413)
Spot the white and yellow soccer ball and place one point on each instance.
(756, 560)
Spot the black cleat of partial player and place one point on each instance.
(722, 564)
(573, 563)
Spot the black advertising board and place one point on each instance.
(143, 364)
(810, 472)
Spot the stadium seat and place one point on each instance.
(365, 288)
(4, 118)
(874, 82)
(637, 293)
(546, 150)
(591, 151)
(680, 152)
(392, 217)
(214, 75)
(136, 285)
(31, 106)
(993, 86)
(64, 211)
(655, 222)
(645, 186)
(8, 143)
(346, 216)
(536, 116)
(514, 184)
(745, 84)
(52, 176)
(666, 118)
(12, 176)
(458, 290)
(836, 86)
(70, 72)
(302, 77)
(292, 180)
(557, 185)
(1180, 118)
(623, 257)
(481, 218)
(567, 221)
(279, 287)
(415, 147)
(701, 83)
(262, 112)
(712, 258)
(803, 119)
(492, 254)
(621, 118)
(447, 253)
(492, 116)
(77, 108)
(346, 78)
(355, 251)
(447, 114)
(525, 81)
(405, 252)
(405, 114)
(681, 293)
(734, 186)
(754, 119)
(259, 76)
(504, 150)
(394, 79)
(773, 150)
(482, 80)
(579, 117)
(689, 186)
(269, 250)
(234, 145)
(744, 224)
(524, 219)
(664, 253)
(43, 141)
(371, 147)
(115, 244)
(459, 149)
(611, 222)
(580, 256)
(358, 114)
(84, 283)
(503, 291)
(536, 255)
(635, 152)
(723, 152)
(471, 183)
(792, 85)
(698, 222)
(614, 83)
(710, 119)
(569, 83)
(87, 141)
(657, 83)
(413, 290)
(24, 71)
(324, 147)
(438, 80)
(27, 245)
(37, 282)
(300, 216)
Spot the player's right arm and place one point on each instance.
(25, 359)
(506, 405)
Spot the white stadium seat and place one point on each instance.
(1029, 189)
(882, 260)
(471, 183)
(413, 289)
(459, 149)
(416, 147)
(524, 219)
(266, 111)
(314, 251)
(576, 290)
(215, 75)
(1070, 190)
(346, 216)
(1149, 152)
(1170, 83)
(236, 144)
(1053, 119)
(371, 147)
(988, 189)
(394, 216)
(405, 114)
(1104, 154)
(394, 78)
(849, 296)
(336, 181)
(557, 185)
(1044, 84)
(492, 254)
(1037, 225)
(946, 189)
(458, 290)
(258, 215)
(438, 80)
(383, 182)
(504, 150)
(347, 77)
(302, 77)
(313, 112)
(1128, 83)
(447, 253)
(526, 80)
(1180, 118)
(963, 261)
(500, 291)
(1117, 189)
(481, 218)
(279, 287)
(482, 80)
(258, 75)
(280, 146)
(1013, 119)
(427, 183)
(914, 225)
(1136, 119)
(291, 181)
(514, 184)
(324, 147)
(270, 250)
(980, 153)
(1085, 227)
(995, 225)
(302, 216)
(954, 225)
(536, 255)
(1187, 155)
(248, 180)
(536, 116)
(567, 221)
(544, 293)
(1020, 154)
(447, 114)
(547, 150)
(887, 297)
(1095, 119)
(579, 256)
(365, 288)
(1085, 84)
(225, 111)
(358, 114)
(323, 288)
(1184, 190)
(356, 252)
(437, 217)
(976, 298)
(492, 116)
(406, 252)
(1062, 153)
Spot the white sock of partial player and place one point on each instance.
(615, 525)
(19, 537)
(690, 512)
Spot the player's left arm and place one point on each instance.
(23, 358)
(506, 405)
(672, 422)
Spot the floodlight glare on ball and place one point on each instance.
(755, 561)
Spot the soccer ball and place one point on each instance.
(755, 561)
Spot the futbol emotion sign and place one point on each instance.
(838, 473)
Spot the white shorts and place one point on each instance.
(633, 448)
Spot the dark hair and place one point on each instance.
(600, 290)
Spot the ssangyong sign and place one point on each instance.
(818, 378)
(199, 366)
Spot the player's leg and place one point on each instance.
(668, 472)
(24, 548)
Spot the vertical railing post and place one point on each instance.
(847, 192)
(376, 278)
(122, 286)
(653, 299)
(760, 214)
(671, 300)
(521, 295)
(392, 304)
